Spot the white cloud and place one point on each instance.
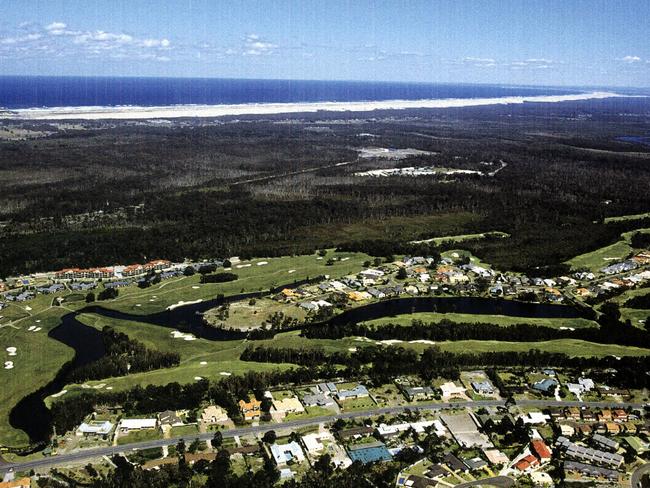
(56, 28)
(255, 46)
(630, 59)
(478, 60)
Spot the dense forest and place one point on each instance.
(117, 192)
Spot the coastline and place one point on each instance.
(201, 111)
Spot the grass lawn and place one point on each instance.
(502, 320)
(182, 430)
(310, 412)
(251, 278)
(140, 436)
(365, 403)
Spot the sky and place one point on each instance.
(550, 42)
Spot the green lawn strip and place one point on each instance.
(37, 360)
(599, 258)
(251, 279)
(140, 436)
(501, 320)
(462, 237)
(622, 218)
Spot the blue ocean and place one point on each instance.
(19, 92)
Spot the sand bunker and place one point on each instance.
(31, 328)
(195, 287)
(181, 303)
(262, 263)
(11, 350)
(421, 341)
(177, 334)
(203, 363)
(61, 393)
(239, 266)
(198, 378)
(291, 271)
(390, 342)
(225, 373)
(9, 364)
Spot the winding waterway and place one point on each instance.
(32, 416)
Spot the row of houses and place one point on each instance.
(588, 454)
(116, 271)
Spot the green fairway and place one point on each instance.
(253, 277)
(595, 260)
(37, 360)
(501, 320)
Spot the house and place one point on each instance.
(587, 454)
(483, 387)
(375, 293)
(619, 415)
(214, 415)
(454, 463)
(526, 463)
(358, 391)
(540, 450)
(250, 409)
(418, 392)
(326, 388)
(314, 442)
(309, 306)
(317, 400)
(359, 296)
(128, 425)
(605, 442)
(355, 432)
(494, 456)
(567, 430)
(47, 290)
(605, 415)
(449, 390)
(169, 417)
(287, 453)
(280, 408)
(475, 464)
(116, 284)
(591, 471)
(574, 413)
(546, 386)
(94, 427)
(535, 418)
(373, 274)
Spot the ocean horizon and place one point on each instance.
(33, 92)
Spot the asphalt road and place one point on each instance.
(635, 480)
(86, 454)
(499, 481)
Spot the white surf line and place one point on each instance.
(176, 111)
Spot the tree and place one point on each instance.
(217, 439)
(324, 465)
(108, 294)
(90, 297)
(269, 437)
(402, 274)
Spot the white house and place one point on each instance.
(283, 454)
(127, 425)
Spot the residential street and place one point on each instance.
(86, 454)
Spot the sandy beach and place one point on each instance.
(184, 111)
